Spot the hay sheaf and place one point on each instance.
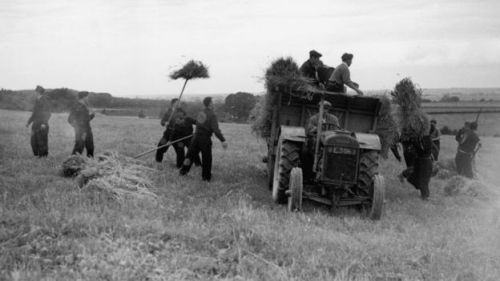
(118, 177)
(458, 185)
(409, 115)
(191, 70)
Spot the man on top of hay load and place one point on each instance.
(468, 145)
(80, 117)
(174, 105)
(40, 128)
(206, 125)
(341, 77)
(310, 67)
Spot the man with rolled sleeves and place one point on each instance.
(341, 77)
(206, 125)
(40, 128)
(80, 117)
(310, 67)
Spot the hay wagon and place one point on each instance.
(346, 161)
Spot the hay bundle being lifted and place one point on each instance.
(412, 121)
(118, 177)
(191, 70)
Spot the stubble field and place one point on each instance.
(229, 229)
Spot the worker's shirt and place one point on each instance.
(79, 116)
(309, 69)
(183, 127)
(312, 124)
(341, 75)
(41, 112)
(207, 124)
(178, 111)
(435, 134)
(469, 142)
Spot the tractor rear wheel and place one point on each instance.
(287, 157)
(296, 187)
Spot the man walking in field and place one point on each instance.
(341, 77)
(80, 117)
(40, 128)
(174, 107)
(468, 145)
(206, 125)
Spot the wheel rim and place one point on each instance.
(276, 174)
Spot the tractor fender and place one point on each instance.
(368, 141)
(290, 133)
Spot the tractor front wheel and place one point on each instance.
(296, 187)
(378, 198)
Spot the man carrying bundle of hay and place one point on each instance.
(341, 77)
(468, 145)
(206, 125)
(310, 67)
(80, 117)
(168, 128)
(40, 128)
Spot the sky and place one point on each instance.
(128, 48)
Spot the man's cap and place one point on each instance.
(326, 104)
(433, 121)
(207, 101)
(82, 94)
(39, 89)
(347, 56)
(314, 54)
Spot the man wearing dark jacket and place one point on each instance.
(40, 128)
(182, 128)
(174, 106)
(80, 117)
(310, 67)
(468, 145)
(206, 125)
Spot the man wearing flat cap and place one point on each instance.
(341, 77)
(40, 120)
(310, 67)
(80, 118)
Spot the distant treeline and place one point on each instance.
(235, 108)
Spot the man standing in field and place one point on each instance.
(468, 145)
(310, 67)
(435, 137)
(341, 77)
(174, 107)
(80, 117)
(206, 125)
(40, 128)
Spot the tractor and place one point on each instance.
(346, 160)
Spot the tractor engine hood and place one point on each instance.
(350, 139)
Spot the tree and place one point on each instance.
(449, 98)
(239, 105)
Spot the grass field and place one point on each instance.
(229, 229)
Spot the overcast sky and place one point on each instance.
(128, 48)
